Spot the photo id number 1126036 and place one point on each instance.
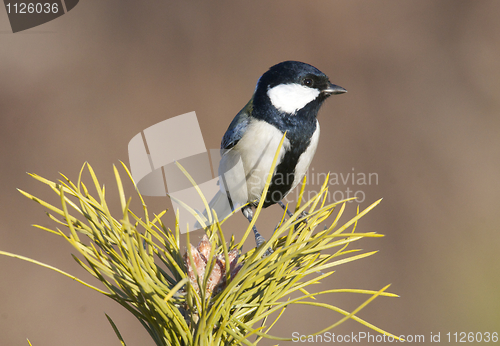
(32, 8)
(472, 337)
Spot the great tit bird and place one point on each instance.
(287, 98)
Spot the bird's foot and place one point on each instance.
(259, 239)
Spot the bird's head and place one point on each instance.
(291, 87)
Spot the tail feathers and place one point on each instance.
(222, 207)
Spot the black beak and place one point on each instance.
(334, 90)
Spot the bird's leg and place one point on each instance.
(248, 212)
(289, 213)
(259, 239)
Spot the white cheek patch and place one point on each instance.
(289, 98)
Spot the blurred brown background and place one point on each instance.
(422, 112)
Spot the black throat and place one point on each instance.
(299, 128)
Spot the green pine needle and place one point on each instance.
(127, 254)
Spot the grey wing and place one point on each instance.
(230, 167)
(237, 128)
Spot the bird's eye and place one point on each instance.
(308, 82)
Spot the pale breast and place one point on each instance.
(256, 149)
